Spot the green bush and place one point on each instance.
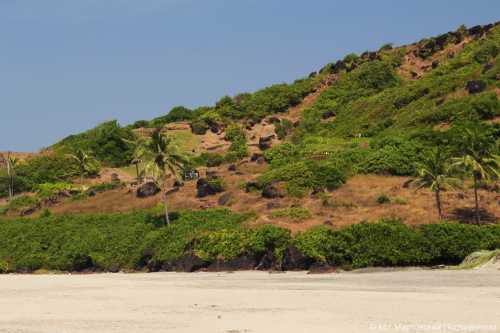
(390, 243)
(48, 190)
(235, 133)
(223, 244)
(199, 127)
(133, 240)
(4, 267)
(393, 155)
(305, 175)
(208, 159)
(269, 238)
(294, 213)
(53, 168)
(178, 113)
(22, 201)
(108, 143)
(283, 128)
(383, 199)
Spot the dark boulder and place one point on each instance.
(211, 174)
(206, 187)
(224, 199)
(259, 158)
(487, 67)
(435, 64)
(242, 262)
(214, 127)
(273, 205)
(476, 30)
(147, 190)
(442, 40)
(270, 192)
(255, 157)
(231, 167)
(328, 114)
(251, 186)
(187, 263)
(475, 86)
(294, 259)
(265, 142)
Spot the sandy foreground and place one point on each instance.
(403, 301)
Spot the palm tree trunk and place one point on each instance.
(478, 219)
(137, 172)
(11, 181)
(165, 204)
(438, 204)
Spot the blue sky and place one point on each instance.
(67, 65)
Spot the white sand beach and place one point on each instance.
(252, 302)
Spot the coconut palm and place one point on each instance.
(161, 157)
(478, 158)
(85, 162)
(11, 164)
(434, 173)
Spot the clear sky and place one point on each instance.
(67, 65)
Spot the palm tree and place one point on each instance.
(11, 163)
(84, 160)
(160, 156)
(434, 173)
(477, 157)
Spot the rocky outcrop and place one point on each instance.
(475, 86)
(206, 187)
(147, 190)
(265, 142)
(224, 199)
(271, 192)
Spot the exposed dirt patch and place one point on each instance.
(354, 202)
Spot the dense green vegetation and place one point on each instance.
(109, 143)
(51, 168)
(140, 239)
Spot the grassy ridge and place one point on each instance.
(139, 239)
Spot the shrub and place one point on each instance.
(392, 155)
(4, 267)
(178, 113)
(53, 168)
(22, 201)
(199, 127)
(237, 151)
(48, 190)
(209, 159)
(139, 239)
(234, 133)
(269, 238)
(108, 143)
(283, 128)
(383, 199)
(223, 244)
(296, 214)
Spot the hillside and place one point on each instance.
(334, 148)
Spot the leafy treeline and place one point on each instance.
(214, 238)
(109, 143)
(246, 107)
(29, 174)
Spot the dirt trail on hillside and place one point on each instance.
(250, 302)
